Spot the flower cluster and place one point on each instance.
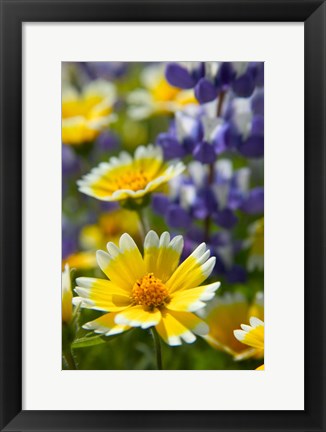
(165, 237)
(210, 79)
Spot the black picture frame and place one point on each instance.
(16, 12)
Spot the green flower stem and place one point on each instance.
(69, 359)
(139, 206)
(144, 226)
(158, 350)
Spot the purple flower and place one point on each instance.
(70, 162)
(257, 102)
(204, 203)
(254, 202)
(107, 141)
(205, 91)
(246, 131)
(177, 217)
(244, 86)
(170, 145)
(69, 238)
(184, 75)
(225, 218)
(237, 274)
(160, 203)
(204, 153)
(209, 79)
(105, 70)
(252, 147)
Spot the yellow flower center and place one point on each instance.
(133, 180)
(149, 291)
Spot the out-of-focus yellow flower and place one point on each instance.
(110, 227)
(124, 177)
(256, 245)
(227, 313)
(66, 294)
(86, 114)
(252, 335)
(150, 290)
(157, 96)
(81, 260)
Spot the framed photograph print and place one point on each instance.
(163, 215)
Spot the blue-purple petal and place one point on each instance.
(236, 274)
(70, 162)
(225, 218)
(220, 141)
(170, 146)
(160, 203)
(178, 76)
(244, 86)
(205, 91)
(254, 202)
(107, 141)
(177, 217)
(257, 103)
(204, 152)
(257, 126)
(253, 147)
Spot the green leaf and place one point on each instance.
(87, 341)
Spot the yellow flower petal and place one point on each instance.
(161, 255)
(124, 265)
(193, 271)
(262, 367)
(136, 316)
(224, 315)
(66, 293)
(76, 131)
(101, 294)
(106, 325)
(253, 334)
(177, 326)
(192, 322)
(193, 299)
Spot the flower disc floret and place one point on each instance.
(134, 180)
(150, 292)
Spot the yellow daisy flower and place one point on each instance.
(157, 96)
(66, 294)
(126, 177)
(80, 260)
(226, 313)
(86, 114)
(252, 335)
(110, 227)
(150, 290)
